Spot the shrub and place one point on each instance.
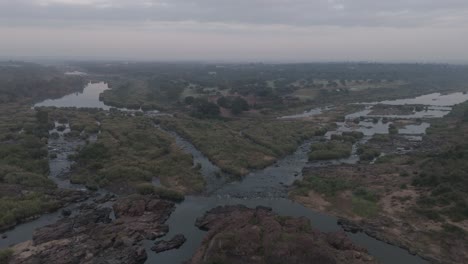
(5, 255)
(363, 207)
(330, 150)
(94, 151)
(367, 153)
(145, 188)
(168, 194)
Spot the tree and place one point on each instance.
(42, 117)
(189, 100)
(238, 105)
(203, 108)
(224, 102)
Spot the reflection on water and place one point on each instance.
(434, 99)
(75, 73)
(271, 181)
(88, 98)
(414, 129)
(182, 221)
(312, 112)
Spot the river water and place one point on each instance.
(267, 187)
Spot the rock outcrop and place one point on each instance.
(237, 234)
(176, 242)
(93, 237)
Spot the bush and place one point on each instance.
(330, 150)
(5, 255)
(168, 194)
(203, 108)
(145, 188)
(17, 209)
(367, 153)
(96, 151)
(363, 207)
(189, 100)
(365, 194)
(326, 186)
(346, 138)
(28, 179)
(392, 129)
(239, 105)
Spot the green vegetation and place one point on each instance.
(5, 255)
(352, 137)
(28, 82)
(23, 164)
(19, 208)
(330, 150)
(164, 193)
(443, 173)
(363, 201)
(364, 208)
(326, 186)
(168, 194)
(131, 150)
(238, 146)
(202, 108)
(392, 129)
(236, 104)
(380, 138)
(367, 153)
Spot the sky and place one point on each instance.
(237, 30)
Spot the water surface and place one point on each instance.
(89, 98)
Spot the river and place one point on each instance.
(266, 187)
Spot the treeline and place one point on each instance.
(22, 81)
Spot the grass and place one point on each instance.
(326, 186)
(133, 150)
(5, 255)
(19, 208)
(164, 193)
(367, 153)
(363, 201)
(352, 137)
(239, 146)
(330, 150)
(23, 164)
(364, 208)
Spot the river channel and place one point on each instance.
(266, 187)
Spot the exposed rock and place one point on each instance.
(66, 212)
(237, 234)
(105, 198)
(92, 237)
(349, 225)
(176, 242)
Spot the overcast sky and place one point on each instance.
(237, 30)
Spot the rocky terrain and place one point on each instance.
(94, 237)
(237, 234)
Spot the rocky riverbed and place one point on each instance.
(94, 237)
(237, 234)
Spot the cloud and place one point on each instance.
(300, 13)
(421, 30)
